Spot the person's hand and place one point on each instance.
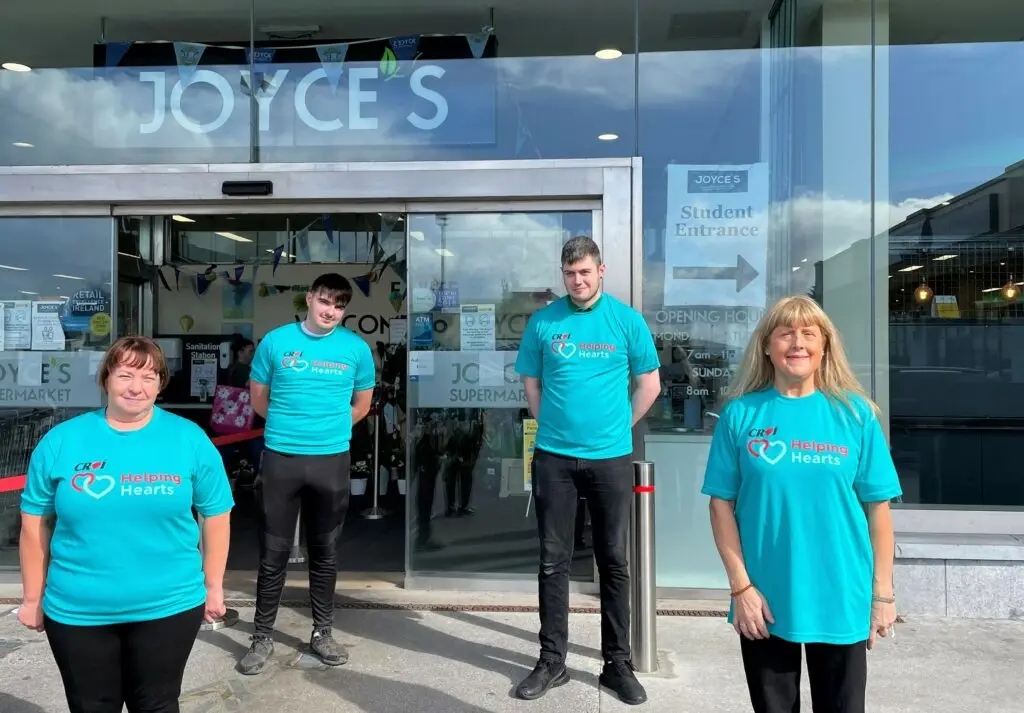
(750, 612)
(215, 608)
(883, 621)
(31, 616)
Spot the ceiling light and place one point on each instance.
(795, 268)
(181, 219)
(417, 235)
(232, 236)
(26, 292)
(444, 252)
(940, 258)
(67, 277)
(608, 137)
(16, 67)
(608, 53)
(911, 268)
(923, 293)
(12, 267)
(23, 145)
(992, 289)
(127, 254)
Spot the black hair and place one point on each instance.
(578, 248)
(334, 287)
(238, 343)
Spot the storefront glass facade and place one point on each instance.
(866, 153)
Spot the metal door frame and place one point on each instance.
(610, 188)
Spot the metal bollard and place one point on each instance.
(230, 617)
(298, 552)
(643, 605)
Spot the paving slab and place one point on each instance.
(409, 661)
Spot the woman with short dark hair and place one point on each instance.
(119, 584)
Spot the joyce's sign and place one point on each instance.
(449, 102)
(469, 380)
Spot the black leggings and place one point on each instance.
(838, 675)
(319, 486)
(139, 664)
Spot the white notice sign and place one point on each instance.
(716, 236)
(47, 332)
(476, 328)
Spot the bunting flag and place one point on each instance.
(160, 274)
(177, 276)
(332, 57)
(398, 50)
(478, 43)
(399, 268)
(188, 54)
(115, 52)
(363, 283)
(277, 258)
(238, 273)
(396, 299)
(328, 227)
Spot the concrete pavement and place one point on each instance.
(409, 661)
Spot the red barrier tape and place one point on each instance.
(15, 483)
(643, 488)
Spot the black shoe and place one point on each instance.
(545, 676)
(323, 645)
(618, 677)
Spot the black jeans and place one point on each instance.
(139, 664)
(607, 485)
(319, 487)
(838, 675)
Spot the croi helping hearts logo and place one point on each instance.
(562, 347)
(293, 361)
(86, 480)
(762, 446)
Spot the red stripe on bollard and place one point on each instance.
(643, 488)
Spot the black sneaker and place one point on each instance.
(618, 677)
(323, 645)
(545, 676)
(255, 660)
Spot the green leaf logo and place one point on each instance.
(389, 64)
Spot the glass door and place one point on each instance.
(474, 279)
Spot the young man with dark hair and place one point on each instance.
(576, 359)
(311, 380)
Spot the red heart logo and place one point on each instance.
(757, 445)
(77, 484)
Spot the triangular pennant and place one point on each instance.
(177, 275)
(188, 55)
(239, 269)
(163, 280)
(399, 268)
(115, 52)
(277, 258)
(363, 283)
(332, 57)
(478, 43)
(387, 224)
(202, 285)
(328, 227)
(405, 47)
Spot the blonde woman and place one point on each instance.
(800, 479)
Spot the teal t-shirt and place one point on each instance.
(311, 380)
(126, 545)
(584, 360)
(800, 471)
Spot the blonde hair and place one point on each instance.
(834, 378)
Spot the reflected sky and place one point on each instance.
(51, 253)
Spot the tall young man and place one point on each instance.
(576, 358)
(311, 380)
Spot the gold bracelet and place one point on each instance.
(740, 591)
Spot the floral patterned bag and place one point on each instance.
(232, 412)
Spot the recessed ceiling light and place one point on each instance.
(609, 137)
(417, 235)
(12, 267)
(911, 268)
(67, 277)
(16, 67)
(444, 252)
(23, 145)
(943, 258)
(232, 236)
(27, 292)
(181, 219)
(609, 53)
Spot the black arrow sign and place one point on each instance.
(744, 273)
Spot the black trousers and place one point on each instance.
(139, 665)
(838, 675)
(319, 487)
(607, 485)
